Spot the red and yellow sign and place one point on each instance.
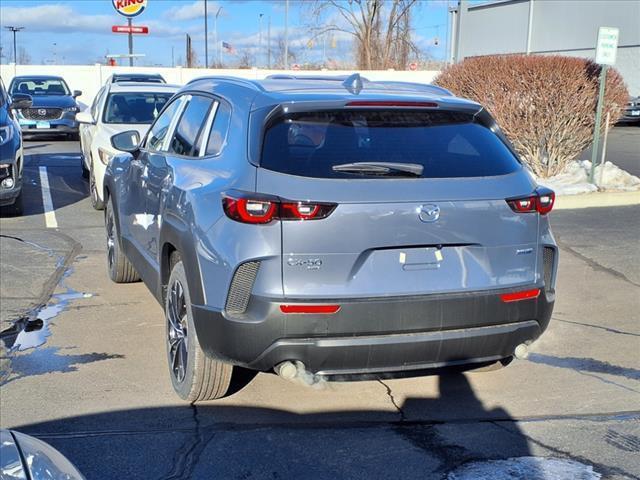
(129, 8)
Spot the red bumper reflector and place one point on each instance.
(322, 309)
(516, 296)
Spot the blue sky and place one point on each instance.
(81, 30)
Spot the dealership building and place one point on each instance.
(547, 27)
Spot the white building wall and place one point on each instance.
(564, 27)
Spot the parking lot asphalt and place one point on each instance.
(94, 383)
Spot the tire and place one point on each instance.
(96, 203)
(492, 367)
(120, 268)
(85, 170)
(195, 376)
(14, 209)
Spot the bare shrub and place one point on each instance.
(545, 105)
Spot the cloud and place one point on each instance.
(192, 11)
(56, 18)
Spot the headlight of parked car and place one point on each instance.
(71, 109)
(6, 134)
(105, 157)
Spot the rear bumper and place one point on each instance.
(376, 335)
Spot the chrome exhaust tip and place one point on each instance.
(286, 370)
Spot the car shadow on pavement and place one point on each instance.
(437, 437)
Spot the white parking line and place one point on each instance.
(47, 202)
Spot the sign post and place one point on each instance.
(606, 50)
(129, 9)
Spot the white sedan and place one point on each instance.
(118, 107)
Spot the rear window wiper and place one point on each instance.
(380, 168)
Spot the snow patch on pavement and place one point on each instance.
(525, 468)
(575, 179)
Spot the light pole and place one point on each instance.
(55, 54)
(259, 40)
(206, 36)
(286, 35)
(14, 30)
(215, 29)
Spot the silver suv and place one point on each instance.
(335, 225)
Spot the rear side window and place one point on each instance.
(185, 139)
(446, 144)
(219, 129)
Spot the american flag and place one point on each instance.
(229, 48)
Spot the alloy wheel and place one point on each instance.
(111, 241)
(177, 331)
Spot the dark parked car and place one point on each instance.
(23, 457)
(11, 156)
(136, 77)
(338, 227)
(631, 113)
(54, 105)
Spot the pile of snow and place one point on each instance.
(575, 179)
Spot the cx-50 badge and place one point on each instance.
(310, 263)
(429, 213)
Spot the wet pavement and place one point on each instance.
(85, 370)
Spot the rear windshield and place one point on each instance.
(445, 144)
(136, 108)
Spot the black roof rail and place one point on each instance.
(330, 78)
(237, 80)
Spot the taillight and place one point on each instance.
(247, 208)
(541, 202)
(318, 309)
(517, 296)
(390, 103)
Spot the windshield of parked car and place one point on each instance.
(135, 107)
(325, 144)
(38, 86)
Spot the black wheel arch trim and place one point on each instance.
(176, 234)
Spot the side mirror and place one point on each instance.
(126, 141)
(85, 117)
(20, 101)
(77, 93)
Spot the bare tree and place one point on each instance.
(544, 104)
(23, 56)
(246, 60)
(278, 54)
(381, 29)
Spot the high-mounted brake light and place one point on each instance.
(541, 202)
(517, 296)
(321, 309)
(247, 208)
(390, 103)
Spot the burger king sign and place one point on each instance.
(129, 8)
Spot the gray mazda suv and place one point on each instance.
(334, 226)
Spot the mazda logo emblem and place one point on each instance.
(42, 111)
(429, 213)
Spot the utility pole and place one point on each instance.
(286, 35)
(173, 64)
(269, 44)
(15, 51)
(130, 43)
(260, 15)
(215, 28)
(206, 36)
